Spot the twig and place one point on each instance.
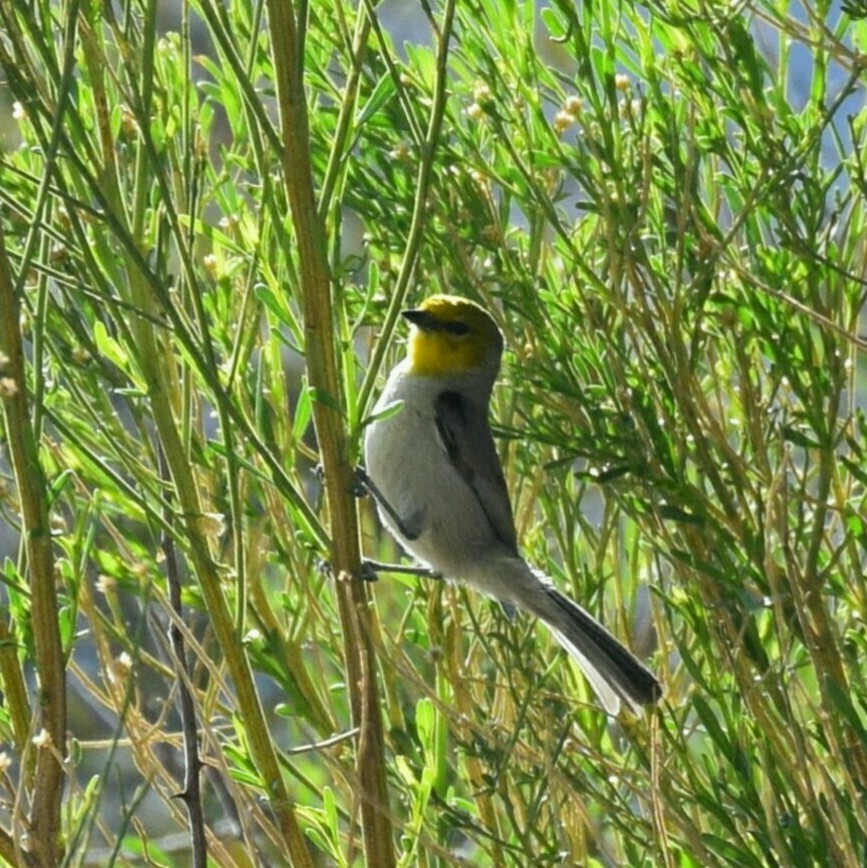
(412, 247)
(47, 793)
(191, 795)
(325, 383)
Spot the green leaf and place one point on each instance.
(382, 94)
(321, 397)
(385, 413)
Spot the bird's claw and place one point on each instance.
(368, 570)
(360, 485)
(404, 569)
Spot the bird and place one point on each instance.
(431, 465)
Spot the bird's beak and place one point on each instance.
(418, 317)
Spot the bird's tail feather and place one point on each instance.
(613, 671)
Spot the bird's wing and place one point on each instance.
(466, 438)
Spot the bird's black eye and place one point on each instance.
(456, 328)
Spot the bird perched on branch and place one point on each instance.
(433, 469)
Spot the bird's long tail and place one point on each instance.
(614, 672)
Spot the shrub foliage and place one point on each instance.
(663, 205)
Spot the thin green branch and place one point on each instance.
(45, 798)
(412, 247)
(324, 379)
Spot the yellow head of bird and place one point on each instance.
(452, 336)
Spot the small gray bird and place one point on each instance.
(433, 469)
